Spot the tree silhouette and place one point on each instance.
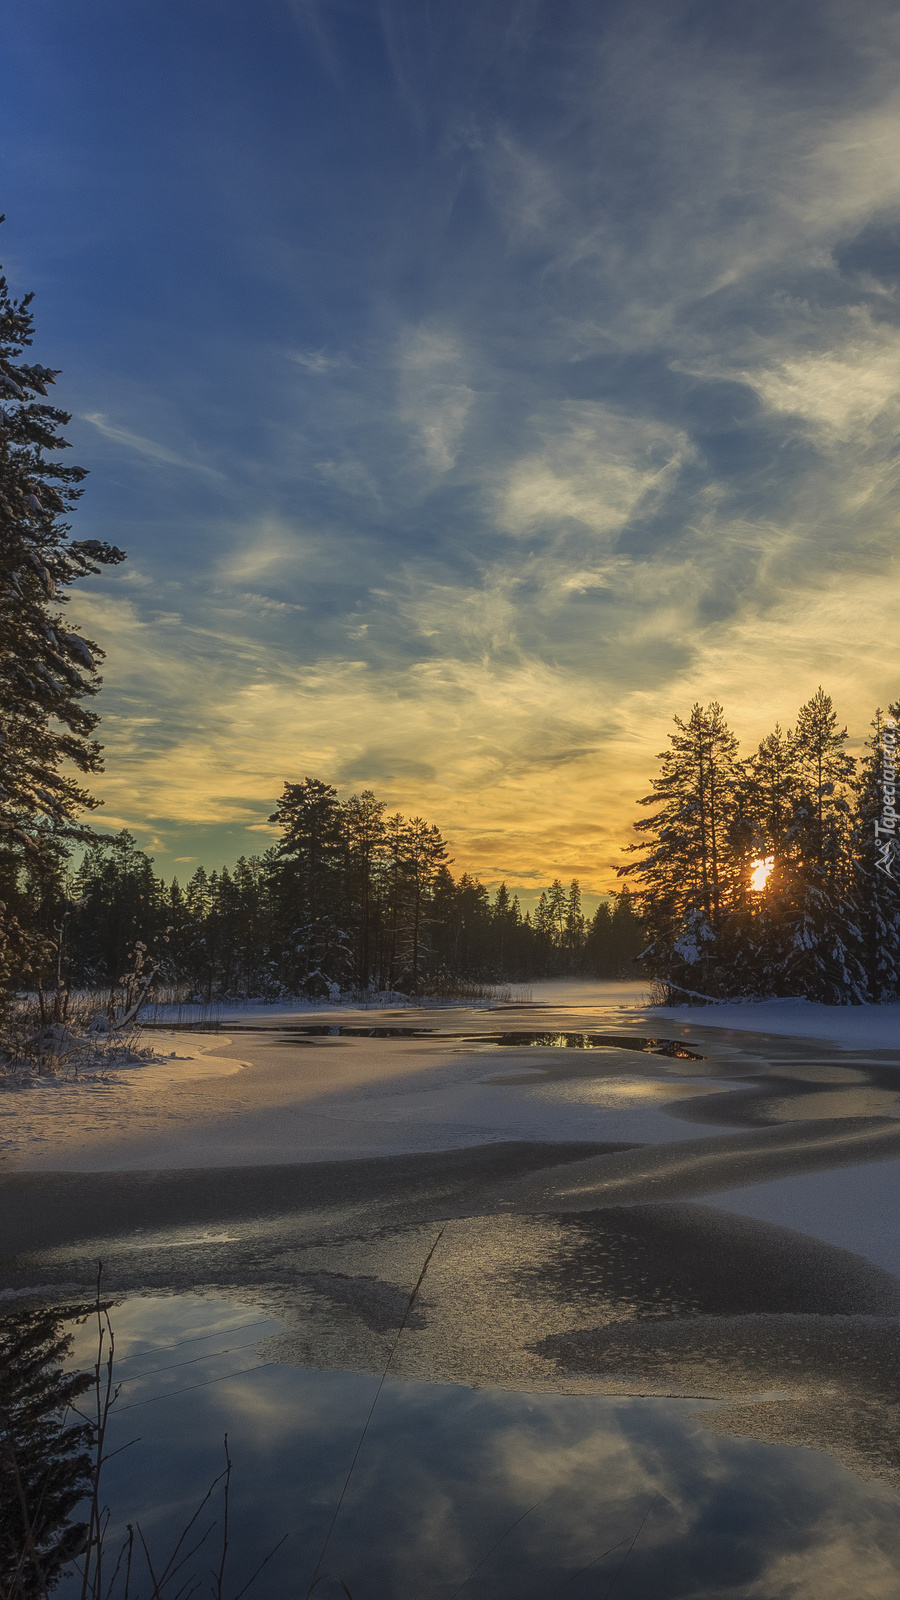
(47, 669)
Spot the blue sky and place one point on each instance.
(473, 387)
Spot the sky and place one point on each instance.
(473, 387)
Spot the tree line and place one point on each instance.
(352, 898)
(770, 874)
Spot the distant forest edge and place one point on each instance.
(751, 877)
(351, 899)
(772, 874)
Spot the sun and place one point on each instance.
(760, 869)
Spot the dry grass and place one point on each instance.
(472, 989)
(67, 1036)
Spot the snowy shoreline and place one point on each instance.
(866, 1027)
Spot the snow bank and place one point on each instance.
(852, 1027)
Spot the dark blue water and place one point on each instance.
(486, 1493)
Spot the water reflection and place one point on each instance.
(587, 1041)
(546, 1039)
(45, 1450)
(786, 1091)
(723, 1091)
(539, 1408)
(501, 1493)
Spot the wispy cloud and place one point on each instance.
(434, 402)
(595, 465)
(844, 389)
(551, 383)
(144, 447)
(318, 362)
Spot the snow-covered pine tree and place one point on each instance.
(824, 771)
(771, 786)
(813, 901)
(47, 668)
(687, 873)
(877, 894)
(770, 804)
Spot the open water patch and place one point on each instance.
(491, 1493)
(588, 1041)
(544, 1039)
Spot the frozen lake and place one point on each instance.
(661, 1316)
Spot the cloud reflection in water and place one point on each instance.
(446, 1469)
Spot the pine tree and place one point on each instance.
(599, 943)
(46, 668)
(824, 771)
(461, 925)
(805, 932)
(768, 803)
(117, 900)
(363, 820)
(178, 919)
(45, 1453)
(877, 889)
(770, 785)
(815, 940)
(557, 907)
(392, 901)
(311, 891)
(195, 942)
(507, 919)
(251, 934)
(574, 927)
(421, 853)
(629, 935)
(688, 873)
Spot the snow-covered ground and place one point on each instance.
(263, 1097)
(601, 1004)
(216, 1011)
(852, 1027)
(258, 1099)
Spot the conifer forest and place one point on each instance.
(350, 900)
(767, 875)
(752, 876)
